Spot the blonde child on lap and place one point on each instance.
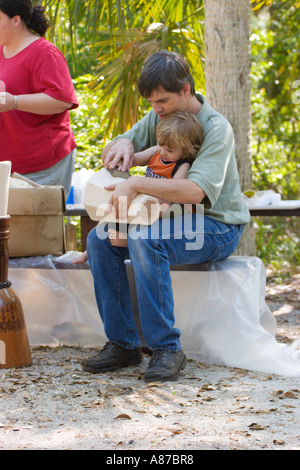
(179, 138)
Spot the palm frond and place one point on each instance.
(122, 35)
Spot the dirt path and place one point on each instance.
(55, 405)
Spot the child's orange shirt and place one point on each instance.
(158, 168)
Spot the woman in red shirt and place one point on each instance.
(36, 94)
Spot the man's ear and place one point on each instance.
(186, 89)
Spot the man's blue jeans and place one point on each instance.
(151, 257)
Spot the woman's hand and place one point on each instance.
(6, 102)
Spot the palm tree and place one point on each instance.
(119, 36)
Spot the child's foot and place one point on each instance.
(80, 259)
(117, 238)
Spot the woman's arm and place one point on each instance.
(37, 103)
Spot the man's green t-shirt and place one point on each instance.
(214, 168)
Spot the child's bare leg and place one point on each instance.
(117, 238)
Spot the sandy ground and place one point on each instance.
(54, 405)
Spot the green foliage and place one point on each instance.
(275, 42)
(87, 125)
(112, 39)
(277, 242)
(106, 44)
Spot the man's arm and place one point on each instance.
(118, 153)
(181, 191)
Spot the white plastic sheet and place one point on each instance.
(225, 320)
(222, 313)
(79, 181)
(58, 300)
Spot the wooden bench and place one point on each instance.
(219, 308)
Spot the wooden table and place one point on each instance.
(284, 209)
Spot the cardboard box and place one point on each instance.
(37, 218)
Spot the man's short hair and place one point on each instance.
(167, 70)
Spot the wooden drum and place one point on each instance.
(14, 344)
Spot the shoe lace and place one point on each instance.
(159, 355)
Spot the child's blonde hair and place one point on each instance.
(180, 130)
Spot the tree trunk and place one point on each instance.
(227, 82)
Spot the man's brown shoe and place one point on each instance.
(112, 357)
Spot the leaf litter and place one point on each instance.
(54, 404)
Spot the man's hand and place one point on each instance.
(118, 153)
(121, 198)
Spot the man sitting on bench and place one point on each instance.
(212, 181)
